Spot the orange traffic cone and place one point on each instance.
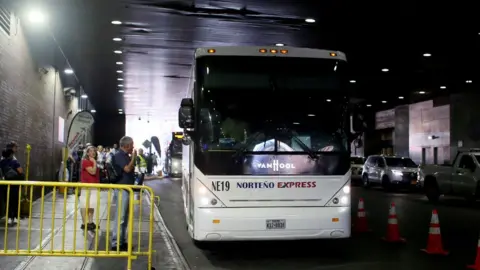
(393, 233)
(476, 266)
(361, 224)
(434, 245)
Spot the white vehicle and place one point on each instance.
(459, 179)
(266, 149)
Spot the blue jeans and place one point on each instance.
(123, 212)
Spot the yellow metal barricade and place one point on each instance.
(65, 210)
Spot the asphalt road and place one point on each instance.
(460, 226)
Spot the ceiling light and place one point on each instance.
(384, 101)
(68, 71)
(121, 91)
(84, 96)
(117, 52)
(116, 22)
(421, 92)
(117, 39)
(119, 63)
(311, 115)
(353, 81)
(36, 16)
(279, 44)
(120, 79)
(93, 111)
(328, 100)
(384, 69)
(310, 20)
(119, 71)
(400, 97)
(427, 54)
(296, 123)
(443, 87)
(120, 112)
(369, 105)
(468, 81)
(120, 85)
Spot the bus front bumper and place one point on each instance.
(290, 223)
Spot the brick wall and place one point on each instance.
(27, 104)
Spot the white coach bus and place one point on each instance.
(266, 146)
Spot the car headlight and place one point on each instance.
(397, 173)
(175, 163)
(342, 197)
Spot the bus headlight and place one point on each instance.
(206, 197)
(342, 197)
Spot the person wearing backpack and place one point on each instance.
(124, 166)
(11, 170)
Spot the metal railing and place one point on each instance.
(121, 199)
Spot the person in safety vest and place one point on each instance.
(141, 167)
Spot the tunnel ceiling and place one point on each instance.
(428, 50)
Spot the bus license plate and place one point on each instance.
(276, 224)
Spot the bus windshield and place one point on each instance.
(271, 104)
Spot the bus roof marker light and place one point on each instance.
(273, 51)
(211, 51)
(283, 51)
(263, 50)
(333, 54)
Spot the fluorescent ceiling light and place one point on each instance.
(117, 39)
(116, 22)
(310, 20)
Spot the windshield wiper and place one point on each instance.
(247, 144)
(291, 134)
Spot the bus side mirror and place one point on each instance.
(185, 114)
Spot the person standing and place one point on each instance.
(124, 166)
(141, 167)
(88, 197)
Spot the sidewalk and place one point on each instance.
(165, 256)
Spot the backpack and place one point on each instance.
(113, 171)
(8, 173)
